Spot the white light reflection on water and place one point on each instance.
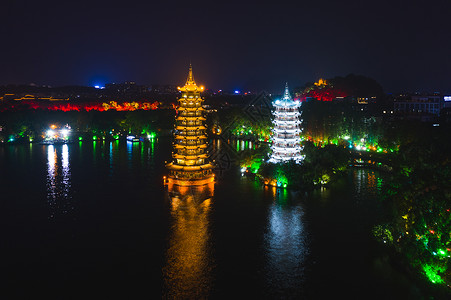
(285, 247)
(51, 174)
(58, 181)
(66, 172)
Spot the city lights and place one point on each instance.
(55, 134)
(123, 176)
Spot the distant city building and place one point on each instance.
(419, 104)
(29, 97)
(321, 83)
(126, 87)
(164, 89)
(447, 101)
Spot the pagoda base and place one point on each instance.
(276, 160)
(190, 182)
(190, 194)
(190, 178)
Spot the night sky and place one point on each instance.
(404, 45)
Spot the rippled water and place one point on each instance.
(92, 220)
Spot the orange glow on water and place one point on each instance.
(187, 273)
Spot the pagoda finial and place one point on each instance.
(190, 80)
(286, 95)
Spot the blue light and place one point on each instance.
(237, 92)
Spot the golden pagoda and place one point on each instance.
(190, 164)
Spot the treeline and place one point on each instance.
(419, 194)
(333, 121)
(33, 124)
(320, 166)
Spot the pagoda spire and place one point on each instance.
(286, 95)
(190, 85)
(190, 80)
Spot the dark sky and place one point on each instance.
(405, 45)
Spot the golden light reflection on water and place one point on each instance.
(367, 181)
(189, 262)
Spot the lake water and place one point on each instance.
(93, 220)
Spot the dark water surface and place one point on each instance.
(93, 220)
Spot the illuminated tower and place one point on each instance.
(286, 140)
(190, 164)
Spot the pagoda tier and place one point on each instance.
(190, 164)
(286, 140)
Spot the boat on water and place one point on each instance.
(133, 139)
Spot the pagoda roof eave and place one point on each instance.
(190, 137)
(190, 156)
(175, 167)
(177, 146)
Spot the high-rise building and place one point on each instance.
(287, 127)
(190, 164)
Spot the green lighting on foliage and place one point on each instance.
(442, 252)
(255, 166)
(281, 180)
(325, 179)
(383, 233)
(431, 273)
(151, 135)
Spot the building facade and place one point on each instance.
(426, 104)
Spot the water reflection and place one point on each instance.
(51, 174)
(66, 172)
(189, 263)
(286, 248)
(367, 181)
(112, 157)
(58, 181)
